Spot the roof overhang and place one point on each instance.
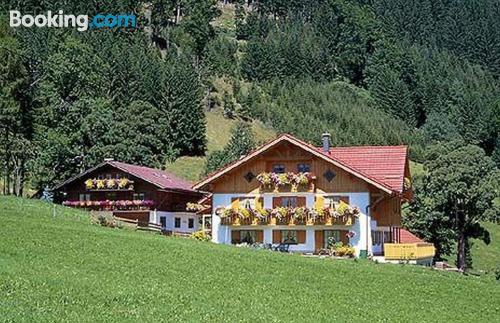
(299, 143)
(125, 170)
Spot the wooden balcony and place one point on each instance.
(236, 220)
(408, 251)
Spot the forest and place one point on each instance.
(368, 72)
(371, 72)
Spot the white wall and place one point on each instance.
(170, 216)
(222, 233)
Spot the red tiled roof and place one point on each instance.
(406, 236)
(159, 178)
(384, 164)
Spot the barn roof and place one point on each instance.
(160, 178)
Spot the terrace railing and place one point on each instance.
(236, 220)
(408, 251)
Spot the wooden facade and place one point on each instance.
(289, 156)
(161, 199)
(386, 208)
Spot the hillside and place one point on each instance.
(64, 269)
(218, 133)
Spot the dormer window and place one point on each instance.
(278, 168)
(303, 168)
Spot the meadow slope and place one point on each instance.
(61, 268)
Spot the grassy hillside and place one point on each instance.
(64, 269)
(218, 133)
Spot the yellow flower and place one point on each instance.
(123, 182)
(100, 183)
(110, 183)
(89, 184)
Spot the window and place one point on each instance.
(380, 237)
(331, 237)
(289, 236)
(248, 236)
(108, 176)
(303, 168)
(163, 221)
(278, 168)
(289, 201)
(139, 196)
(177, 222)
(84, 197)
(190, 223)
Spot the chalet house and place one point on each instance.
(134, 192)
(291, 192)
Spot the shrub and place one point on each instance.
(200, 235)
(344, 251)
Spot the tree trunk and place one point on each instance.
(177, 11)
(461, 251)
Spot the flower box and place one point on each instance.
(291, 182)
(109, 184)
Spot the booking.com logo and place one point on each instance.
(81, 22)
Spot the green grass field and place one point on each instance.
(63, 268)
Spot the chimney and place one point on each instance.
(108, 159)
(325, 139)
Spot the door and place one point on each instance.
(163, 221)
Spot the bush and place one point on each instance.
(106, 221)
(200, 235)
(344, 251)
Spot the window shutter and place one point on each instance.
(258, 203)
(319, 203)
(235, 236)
(276, 202)
(301, 201)
(343, 237)
(318, 239)
(301, 236)
(259, 236)
(276, 236)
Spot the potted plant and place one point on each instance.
(100, 184)
(123, 182)
(110, 183)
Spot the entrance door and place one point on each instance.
(163, 221)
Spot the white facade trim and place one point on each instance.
(170, 220)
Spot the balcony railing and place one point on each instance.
(112, 205)
(408, 251)
(290, 220)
